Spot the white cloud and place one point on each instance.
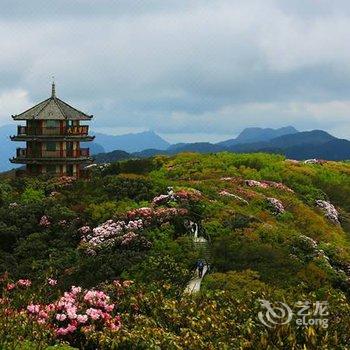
(13, 102)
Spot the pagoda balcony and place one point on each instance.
(70, 132)
(81, 130)
(24, 153)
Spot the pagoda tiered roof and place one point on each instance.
(52, 108)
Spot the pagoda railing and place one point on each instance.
(82, 130)
(25, 153)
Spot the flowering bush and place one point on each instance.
(125, 232)
(72, 317)
(63, 181)
(276, 205)
(267, 184)
(106, 234)
(78, 311)
(182, 196)
(44, 221)
(52, 282)
(22, 283)
(225, 193)
(329, 211)
(84, 230)
(254, 183)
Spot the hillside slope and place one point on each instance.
(278, 230)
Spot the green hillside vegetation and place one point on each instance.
(256, 252)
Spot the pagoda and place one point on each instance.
(52, 134)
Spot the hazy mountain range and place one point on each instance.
(286, 140)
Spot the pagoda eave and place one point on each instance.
(80, 160)
(83, 138)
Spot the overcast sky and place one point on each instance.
(189, 70)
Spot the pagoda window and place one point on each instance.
(51, 146)
(51, 123)
(51, 168)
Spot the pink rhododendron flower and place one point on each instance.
(277, 205)
(33, 309)
(93, 313)
(254, 183)
(71, 312)
(24, 283)
(61, 317)
(52, 282)
(115, 324)
(84, 230)
(127, 283)
(82, 318)
(43, 315)
(109, 307)
(10, 286)
(76, 290)
(163, 198)
(79, 310)
(61, 331)
(128, 238)
(3, 301)
(44, 221)
(71, 328)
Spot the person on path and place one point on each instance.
(200, 267)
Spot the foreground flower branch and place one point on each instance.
(74, 315)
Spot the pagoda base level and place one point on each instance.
(75, 170)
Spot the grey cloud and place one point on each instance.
(181, 66)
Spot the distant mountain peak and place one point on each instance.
(132, 142)
(263, 134)
(256, 134)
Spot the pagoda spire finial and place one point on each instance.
(53, 91)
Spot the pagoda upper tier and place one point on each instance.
(52, 108)
(52, 134)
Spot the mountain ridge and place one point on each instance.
(292, 143)
(255, 134)
(301, 145)
(132, 142)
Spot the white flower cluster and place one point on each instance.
(106, 234)
(329, 211)
(225, 193)
(277, 205)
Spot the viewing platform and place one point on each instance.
(80, 133)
